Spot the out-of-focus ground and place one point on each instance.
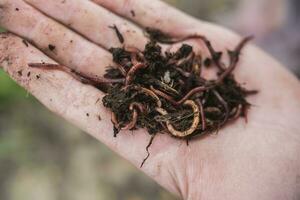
(42, 157)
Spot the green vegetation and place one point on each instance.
(9, 90)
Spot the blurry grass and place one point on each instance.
(10, 91)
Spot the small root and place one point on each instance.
(168, 88)
(121, 69)
(187, 141)
(147, 149)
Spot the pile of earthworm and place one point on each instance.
(166, 92)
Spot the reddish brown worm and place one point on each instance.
(196, 120)
(132, 123)
(188, 95)
(132, 72)
(234, 58)
(114, 120)
(164, 95)
(202, 115)
(80, 76)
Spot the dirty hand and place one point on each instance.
(257, 160)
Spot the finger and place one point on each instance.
(171, 21)
(156, 14)
(81, 105)
(57, 90)
(92, 21)
(58, 42)
(53, 88)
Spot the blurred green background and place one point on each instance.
(42, 157)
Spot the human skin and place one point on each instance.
(255, 160)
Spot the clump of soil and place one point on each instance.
(166, 92)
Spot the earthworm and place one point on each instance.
(145, 91)
(233, 55)
(131, 124)
(121, 69)
(139, 106)
(202, 115)
(152, 94)
(233, 62)
(164, 95)
(134, 58)
(216, 55)
(182, 60)
(237, 113)
(193, 36)
(186, 59)
(182, 72)
(134, 53)
(84, 78)
(223, 102)
(182, 134)
(132, 71)
(234, 58)
(197, 62)
(169, 98)
(114, 120)
(192, 92)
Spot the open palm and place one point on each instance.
(254, 160)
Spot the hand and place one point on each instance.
(254, 160)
